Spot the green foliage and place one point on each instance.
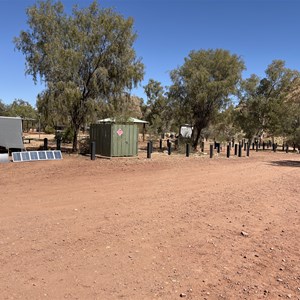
(262, 106)
(157, 111)
(84, 146)
(224, 127)
(3, 109)
(203, 86)
(49, 130)
(85, 59)
(21, 108)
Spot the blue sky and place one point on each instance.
(257, 30)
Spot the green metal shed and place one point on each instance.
(113, 139)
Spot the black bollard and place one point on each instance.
(294, 147)
(256, 147)
(228, 151)
(287, 148)
(248, 149)
(211, 151)
(240, 150)
(202, 146)
(45, 144)
(218, 147)
(169, 148)
(235, 149)
(58, 143)
(187, 150)
(93, 150)
(148, 150)
(160, 144)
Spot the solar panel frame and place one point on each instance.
(34, 155)
(27, 156)
(57, 154)
(50, 155)
(42, 155)
(16, 156)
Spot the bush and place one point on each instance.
(49, 130)
(84, 146)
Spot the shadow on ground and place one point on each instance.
(286, 163)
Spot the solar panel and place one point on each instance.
(57, 154)
(16, 156)
(49, 155)
(36, 155)
(42, 155)
(25, 156)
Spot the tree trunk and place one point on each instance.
(195, 139)
(75, 139)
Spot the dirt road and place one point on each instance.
(167, 228)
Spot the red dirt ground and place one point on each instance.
(162, 228)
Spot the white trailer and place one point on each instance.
(11, 133)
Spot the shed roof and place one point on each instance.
(129, 120)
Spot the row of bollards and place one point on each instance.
(237, 148)
(58, 144)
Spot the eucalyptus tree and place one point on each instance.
(263, 106)
(203, 85)
(3, 108)
(21, 108)
(157, 111)
(84, 58)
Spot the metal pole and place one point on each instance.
(160, 144)
(248, 149)
(187, 150)
(211, 151)
(240, 150)
(202, 146)
(235, 149)
(45, 144)
(228, 151)
(93, 150)
(148, 150)
(58, 143)
(39, 126)
(169, 148)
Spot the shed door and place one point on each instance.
(124, 140)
